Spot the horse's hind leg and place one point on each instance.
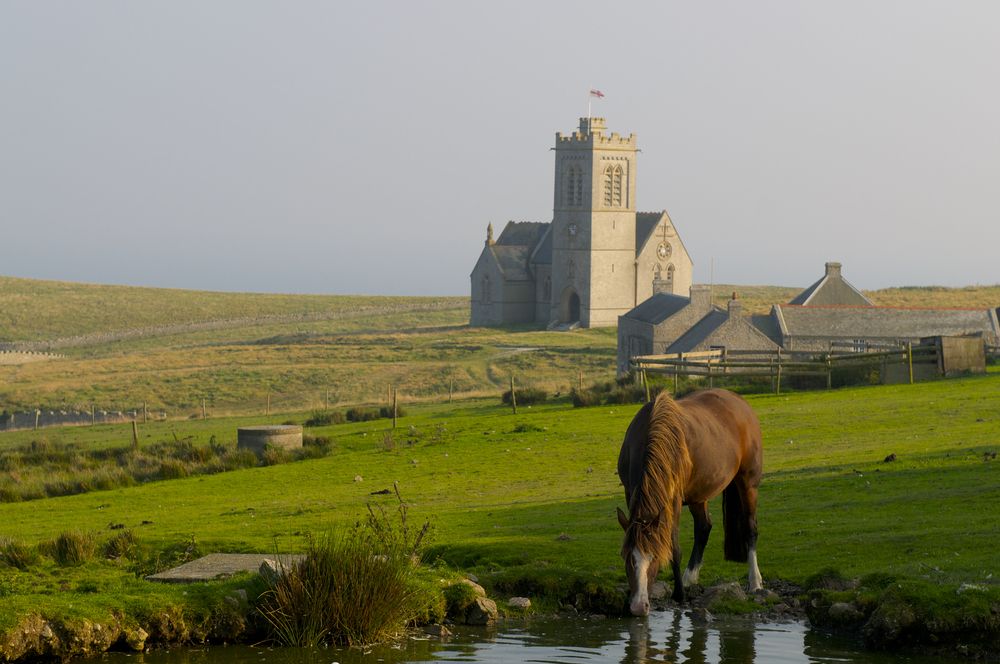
(702, 528)
(750, 500)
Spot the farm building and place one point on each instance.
(829, 314)
(597, 259)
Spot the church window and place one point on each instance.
(613, 186)
(670, 273)
(487, 296)
(573, 194)
(657, 272)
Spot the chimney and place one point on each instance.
(735, 307)
(701, 298)
(833, 270)
(664, 286)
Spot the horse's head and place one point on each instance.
(642, 564)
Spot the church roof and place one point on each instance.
(543, 252)
(522, 233)
(658, 308)
(513, 261)
(832, 288)
(881, 322)
(645, 224)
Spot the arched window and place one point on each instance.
(486, 295)
(613, 176)
(656, 272)
(670, 273)
(573, 193)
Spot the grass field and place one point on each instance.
(501, 490)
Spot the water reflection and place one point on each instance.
(670, 636)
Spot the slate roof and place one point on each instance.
(522, 233)
(645, 224)
(658, 308)
(768, 326)
(698, 332)
(513, 261)
(881, 322)
(831, 289)
(543, 254)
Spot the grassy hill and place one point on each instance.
(174, 349)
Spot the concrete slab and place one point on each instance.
(220, 566)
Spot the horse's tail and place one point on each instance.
(736, 522)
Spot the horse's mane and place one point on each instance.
(666, 467)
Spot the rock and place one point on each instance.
(723, 591)
(46, 632)
(358, 478)
(890, 458)
(701, 615)
(271, 570)
(520, 603)
(781, 608)
(481, 612)
(478, 589)
(241, 595)
(658, 590)
(135, 639)
(844, 613)
(437, 630)
(472, 577)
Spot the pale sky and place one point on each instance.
(338, 147)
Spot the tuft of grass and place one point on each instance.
(526, 396)
(72, 548)
(17, 554)
(322, 418)
(122, 544)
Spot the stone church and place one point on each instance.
(597, 259)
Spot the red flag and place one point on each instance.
(596, 93)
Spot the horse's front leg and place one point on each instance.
(675, 567)
(702, 528)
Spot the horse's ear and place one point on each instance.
(622, 519)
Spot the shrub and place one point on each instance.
(322, 418)
(173, 469)
(321, 443)
(385, 412)
(17, 554)
(274, 456)
(72, 548)
(359, 414)
(584, 398)
(121, 545)
(239, 458)
(526, 396)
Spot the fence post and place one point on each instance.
(38, 413)
(777, 383)
(326, 401)
(394, 409)
(135, 436)
(909, 358)
(645, 382)
(267, 408)
(204, 412)
(676, 374)
(93, 415)
(579, 380)
(829, 373)
(513, 396)
(145, 413)
(451, 389)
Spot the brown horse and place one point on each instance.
(686, 452)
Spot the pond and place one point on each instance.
(665, 636)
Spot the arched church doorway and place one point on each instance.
(569, 308)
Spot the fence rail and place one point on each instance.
(779, 364)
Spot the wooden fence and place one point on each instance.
(781, 364)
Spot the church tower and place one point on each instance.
(594, 265)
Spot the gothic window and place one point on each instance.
(670, 273)
(573, 194)
(547, 289)
(613, 186)
(657, 272)
(487, 296)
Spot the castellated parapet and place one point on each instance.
(591, 135)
